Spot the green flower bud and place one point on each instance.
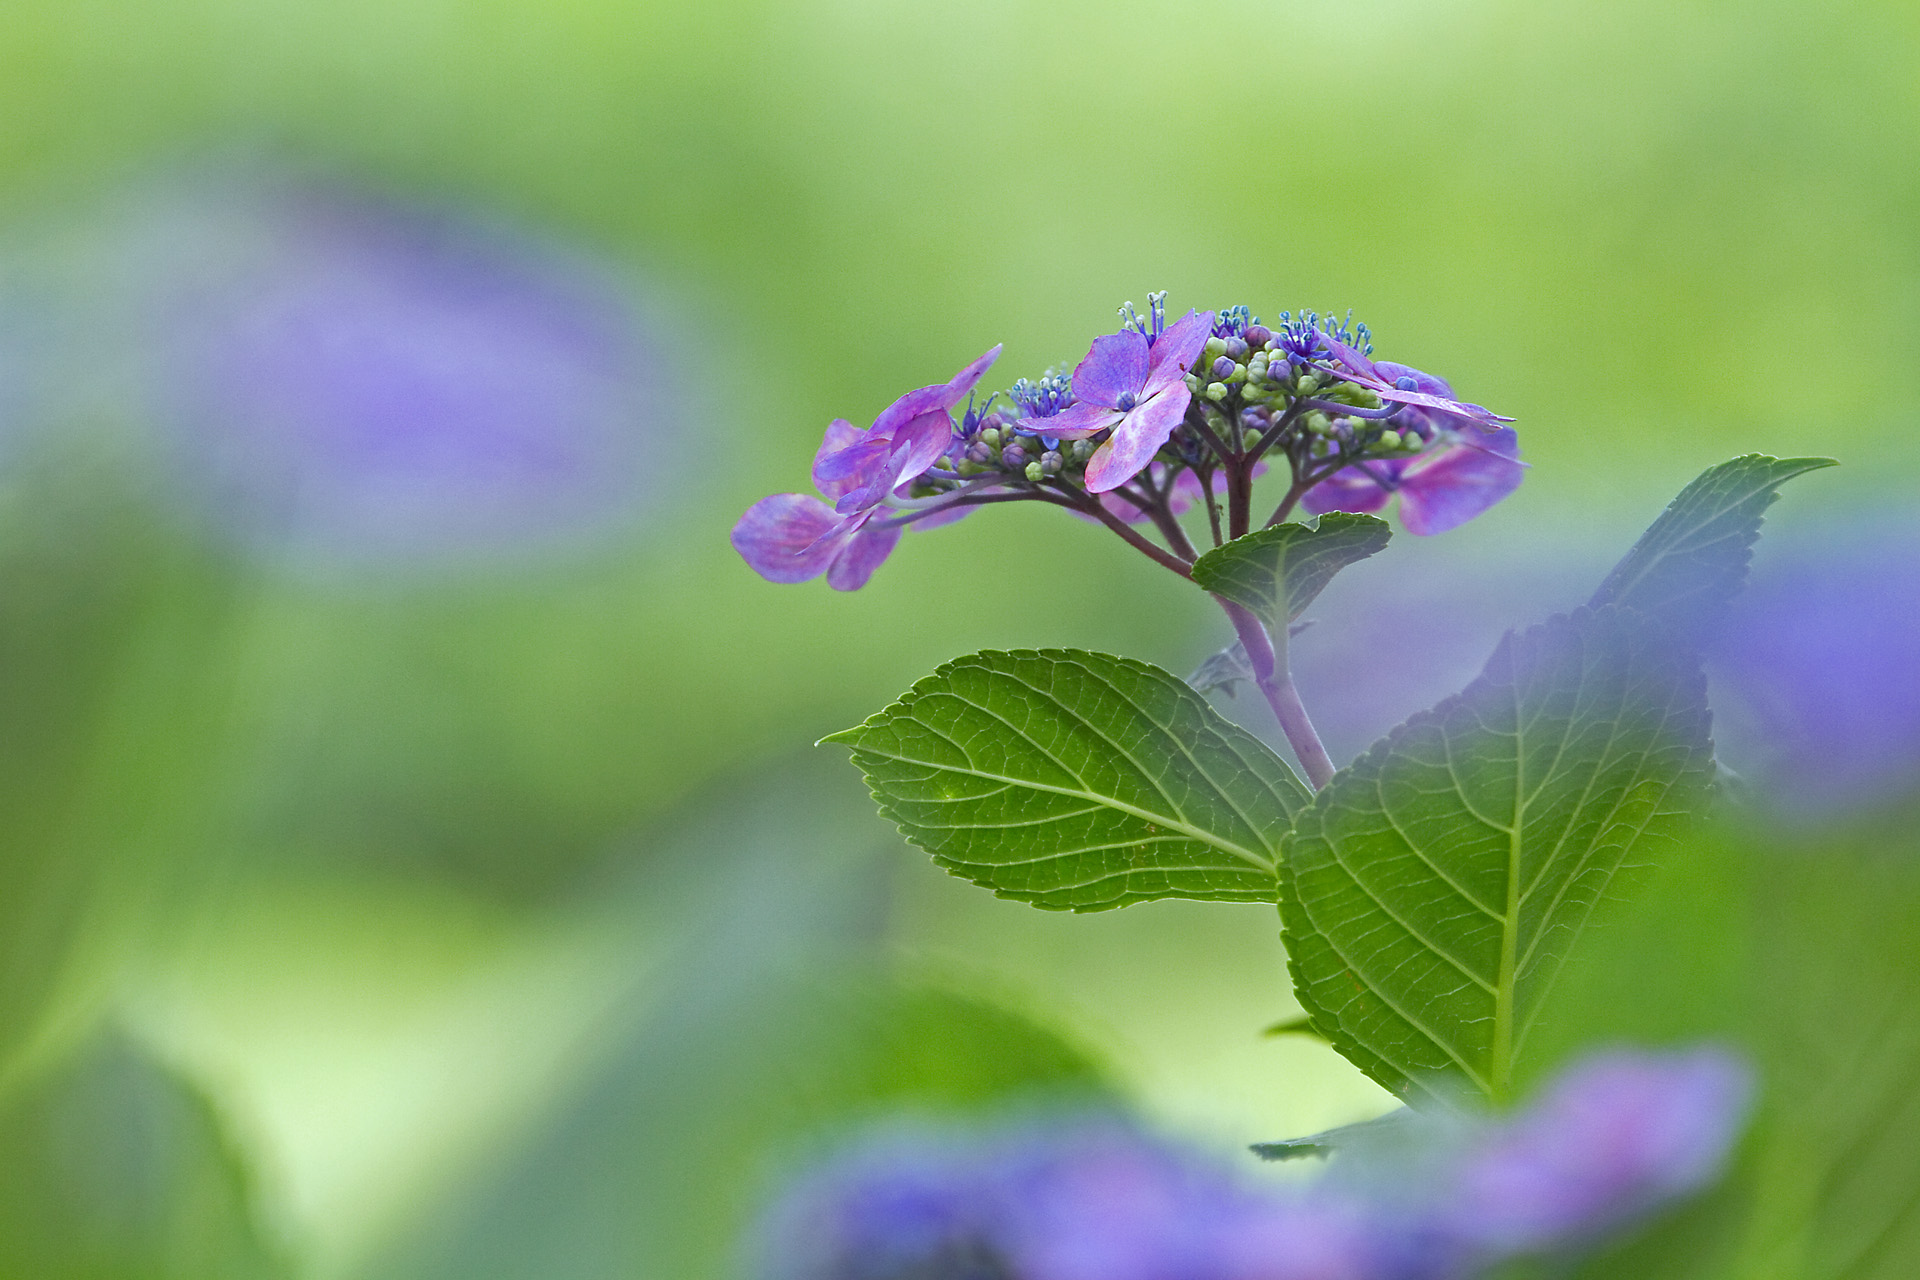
(1239, 373)
(1308, 384)
(1035, 472)
(1082, 450)
(990, 435)
(1250, 439)
(1216, 347)
(1390, 441)
(1319, 423)
(1216, 391)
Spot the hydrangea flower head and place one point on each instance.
(1133, 386)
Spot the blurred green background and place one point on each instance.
(488, 914)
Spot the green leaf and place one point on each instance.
(1692, 561)
(1078, 781)
(1388, 1127)
(1277, 571)
(114, 1168)
(1300, 1026)
(1434, 889)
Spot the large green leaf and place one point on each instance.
(1693, 559)
(1433, 890)
(1078, 781)
(1277, 571)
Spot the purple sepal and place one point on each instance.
(1354, 489)
(788, 537)
(1135, 441)
(1115, 366)
(1439, 490)
(1177, 349)
(941, 395)
(861, 552)
(1076, 423)
(1456, 484)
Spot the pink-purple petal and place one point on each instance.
(859, 555)
(1445, 489)
(920, 444)
(853, 470)
(1176, 351)
(1353, 360)
(1137, 438)
(1115, 366)
(1477, 414)
(1075, 423)
(968, 378)
(941, 395)
(789, 537)
(1352, 490)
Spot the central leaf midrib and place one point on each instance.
(1204, 837)
(1500, 1066)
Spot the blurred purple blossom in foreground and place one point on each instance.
(1613, 1138)
(352, 377)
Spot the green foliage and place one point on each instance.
(113, 1168)
(1376, 1130)
(1078, 781)
(1277, 571)
(1434, 888)
(1691, 562)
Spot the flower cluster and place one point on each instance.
(1158, 418)
(1617, 1136)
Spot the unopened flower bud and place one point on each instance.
(1051, 462)
(990, 435)
(1307, 385)
(1251, 438)
(980, 452)
(1013, 457)
(1258, 335)
(1082, 450)
(1390, 440)
(1216, 391)
(1035, 471)
(1237, 348)
(1192, 381)
(1223, 367)
(1216, 347)
(1319, 423)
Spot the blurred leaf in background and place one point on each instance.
(113, 1167)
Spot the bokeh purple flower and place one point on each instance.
(351, 377)
(1817, 688)
(791, 537)
(1069, 1199)
(1616, 1135)
(1135, 389)
(1461, 471)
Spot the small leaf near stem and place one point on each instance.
(1078, 781)
(1266, 580)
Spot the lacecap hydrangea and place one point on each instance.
(1157, 419)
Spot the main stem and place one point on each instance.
(1267, 655)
